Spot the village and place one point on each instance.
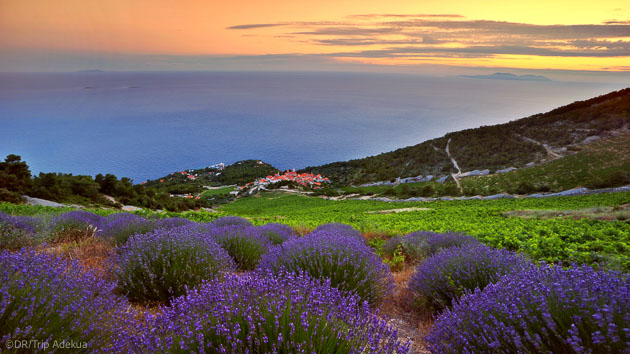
(288, 179)
(303, 179)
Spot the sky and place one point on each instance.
(587, 38)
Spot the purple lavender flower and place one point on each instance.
(245, 244)
(120, 226)
(457, 270)
(231, 221)
(46, 298)
(18, 231)
(168, 223)
(277, 233)
(339, 229)
(162, 264)
(541, 309)
(346, 260)
(262, 313)
(75, 225)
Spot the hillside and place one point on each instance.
(603, 163)
(195, 180)
(524, 142)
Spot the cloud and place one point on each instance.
(371, 16)
(255, 25)
(618, 68)
(498, 28)
(597, 44)
(370, 41)
(615, 22)
(479, 51)
(350, 31)
(424, 36)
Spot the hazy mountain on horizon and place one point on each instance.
(509, 76)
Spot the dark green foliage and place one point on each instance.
(245, 171)
(62, 187)
(616, 179)
(11, 197)
(15, 178)
(15, 181)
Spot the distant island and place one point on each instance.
(90, 71)
(508, 76)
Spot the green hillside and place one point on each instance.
(535, 139)
(601, 164)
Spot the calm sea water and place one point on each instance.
(145, 125)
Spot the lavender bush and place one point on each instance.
(262, 313)
(245, 244)
(46, 298)
(540, 310)
(120, 226)
(457, 270)
(74, 225)
(347, 261)
(339, 229)
(231, 221)
(168, 223)
(17, 231)
(422, 244)
(161, 264)
(277, 233)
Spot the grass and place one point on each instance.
(587, 240)
(214, 192)
(601, 213)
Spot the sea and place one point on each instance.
(144, 125)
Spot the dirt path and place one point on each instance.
(459, 171)
(412, 323)
(394, 211)
(552, 155)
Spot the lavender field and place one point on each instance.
(125, 283)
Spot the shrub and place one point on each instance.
(245, 244)
(10, 196)
(74, 226)
(457, 270)
(422, 244)
(397, 260)
(350, 265)
(173, 222)
(161, 264)
(262, 313)
(231, 221)
(390, 246)
(120, 226)
(542, 309)
(46, 298)
(277, 233)
(17, 231)
(339, 229)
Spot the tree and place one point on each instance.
(15, 178)
(15, 175)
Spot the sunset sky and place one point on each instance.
(422, 36)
